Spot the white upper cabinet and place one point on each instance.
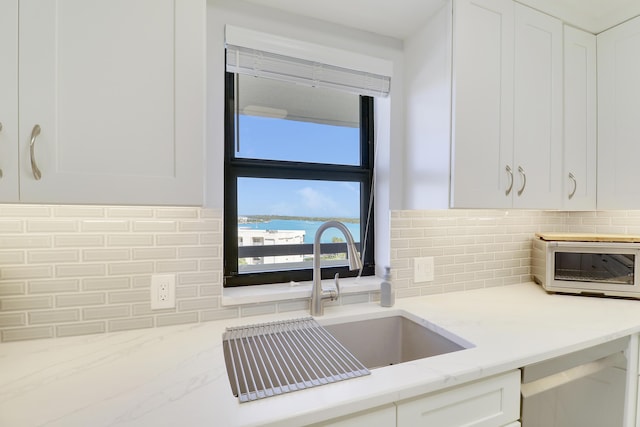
(482, 109)
(580, 117)
(507, 106)
(9, 100)
(618, 116)
(537, 163)
(117, 89)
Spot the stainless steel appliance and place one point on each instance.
(590, 264)
(582, 389)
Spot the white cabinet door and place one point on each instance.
(580, 118)
(482, 110)
(378, 417)
(486, 403)
(117, 88)
(537, 110)
(618, 119)
(9, 101)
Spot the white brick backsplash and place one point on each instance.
(111, 312)
(78, 240)
(11, 226)
(104, 225)
(80, 329)
(53, 286)
(12, 319)
(80, 270)
(106, 284)
(29, 272)
(54, 226)
(25, 241)
(106, 255)
(52, 256)
(11, 257)
(128, 324)
(24, 211)
(176, 319)
(471, 248)
(73, 270)
(130, 240)
(129, 212)
(80, 299)
(25, 303)
(31, 333)
(139, 267)
(53, 316)
(11, 288)
(78, 211)
(162, 226)
(177, 239)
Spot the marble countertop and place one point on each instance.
(176, 375)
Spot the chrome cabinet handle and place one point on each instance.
(510, 172)
(572, 177)
(524, 180)
(34, 167)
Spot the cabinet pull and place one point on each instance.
(572, 177)
(34, 167)
(524, 180)
(510, 187)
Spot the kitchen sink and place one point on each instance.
(393, 339)
(268, 359)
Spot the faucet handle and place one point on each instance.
(335, 293)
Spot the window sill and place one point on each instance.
(296, 290)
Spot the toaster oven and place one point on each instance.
(604, 265)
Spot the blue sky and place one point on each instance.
(266, 138)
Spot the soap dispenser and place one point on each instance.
(387, 296)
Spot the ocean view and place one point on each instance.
(309, 227)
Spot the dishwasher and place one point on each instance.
(582, 389)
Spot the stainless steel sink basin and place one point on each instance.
(393, 339)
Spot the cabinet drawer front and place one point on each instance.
(377, 417)
(492, 402)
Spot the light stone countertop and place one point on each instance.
(175, 376)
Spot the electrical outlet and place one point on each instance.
(423, 269)
(163, 291)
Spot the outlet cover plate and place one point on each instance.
(163, 291)
(423, 269)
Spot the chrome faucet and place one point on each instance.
(317, 294)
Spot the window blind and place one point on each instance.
(259, 63)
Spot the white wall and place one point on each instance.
(389, 120)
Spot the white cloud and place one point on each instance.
(318, 203)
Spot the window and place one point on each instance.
(295, 157)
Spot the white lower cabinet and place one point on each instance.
(492, 402)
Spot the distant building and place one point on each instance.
(252, 237)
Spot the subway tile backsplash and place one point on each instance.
(74, 270)
(471, 248)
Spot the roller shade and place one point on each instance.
(263, 63)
